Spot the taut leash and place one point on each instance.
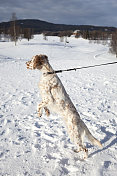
(79, 68)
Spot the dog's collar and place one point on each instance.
(48, 73)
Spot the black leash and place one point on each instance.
(79, 68)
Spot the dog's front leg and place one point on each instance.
(47, 111)
(40, 108)
(46, 99)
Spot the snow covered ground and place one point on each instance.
(30, 146)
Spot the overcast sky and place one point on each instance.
(90, 12)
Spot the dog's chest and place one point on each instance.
(45, 85)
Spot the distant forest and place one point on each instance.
(39, 26)
(18, 29)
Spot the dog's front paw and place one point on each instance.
(48, 113)
(39, 111)
(39, 114)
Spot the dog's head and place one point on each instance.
(37, 62)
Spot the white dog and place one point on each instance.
(55, 98)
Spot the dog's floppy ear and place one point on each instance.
(40, 60)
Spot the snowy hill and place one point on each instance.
(34, 146)
(41, 26)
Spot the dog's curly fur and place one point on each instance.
(56, 99)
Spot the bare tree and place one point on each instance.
(13, 27)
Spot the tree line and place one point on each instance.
(101, 37)
(95, 36)
(15, 32)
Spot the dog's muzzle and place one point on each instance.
(29, 65)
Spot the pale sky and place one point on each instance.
(80, 12)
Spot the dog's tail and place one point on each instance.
(93, 140)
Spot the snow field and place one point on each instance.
(40, 146)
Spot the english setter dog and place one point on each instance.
(56, 99)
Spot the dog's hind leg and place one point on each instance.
(81, 146)
(84, 149)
